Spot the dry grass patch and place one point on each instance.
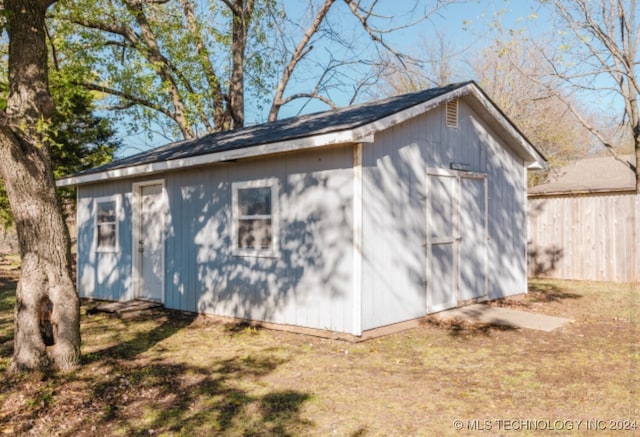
(169, 373)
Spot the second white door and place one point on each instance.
(457, 238)
(151, 243)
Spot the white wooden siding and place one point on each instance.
(394, 205)
(104, 275)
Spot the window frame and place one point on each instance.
(273, 251)
(97, 201)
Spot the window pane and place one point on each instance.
(254, 201)
(107, 212)
(106, 236)
(254, 234)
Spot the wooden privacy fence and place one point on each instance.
(584, 236)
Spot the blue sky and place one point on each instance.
(468, 24)
(470, 21)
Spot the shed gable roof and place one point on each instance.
(340, 126)
(591, 175)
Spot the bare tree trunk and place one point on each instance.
(636, 144)
(242, 13)
(47, 316)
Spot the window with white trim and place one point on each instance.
(255, 218)
(106, 224)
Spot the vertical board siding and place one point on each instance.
(103, 275)
(394, 211)
(584, 237)
(309, 284)
(393, 224)
(507, 223)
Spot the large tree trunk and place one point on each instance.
(242, 11)
(47, 316)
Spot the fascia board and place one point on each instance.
(533, 159)
(340, 137)
(368, 130)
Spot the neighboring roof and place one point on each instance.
(591, 175)
(356, 123)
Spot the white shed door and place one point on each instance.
(473, 238)
(442, 253)
(457, 232)
(151, 243)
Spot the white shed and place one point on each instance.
(342, 221)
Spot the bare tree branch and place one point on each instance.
(300, 51)
(612, 50)
(128, 97)
(312, 95)
(373, 33)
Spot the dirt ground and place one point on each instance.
(168, 373)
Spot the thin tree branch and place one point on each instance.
(127, 96)
(300, 51)
(311, 95)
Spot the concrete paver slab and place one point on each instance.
(486, 314)
(130, 307)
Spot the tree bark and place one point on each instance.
(242, 11)
(47, 315)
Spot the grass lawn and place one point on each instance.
(168, 373)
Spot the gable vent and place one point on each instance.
(452, 113)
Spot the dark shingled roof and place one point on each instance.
(591, 175)
(282, 130)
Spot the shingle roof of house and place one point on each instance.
(591, 175)
(336, 126)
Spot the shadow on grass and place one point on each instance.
(142, 397)
(188, 400)
(541, 292)
(241, 327)
(7, 293)
(118, 391)
(173, 321)
(462, 329)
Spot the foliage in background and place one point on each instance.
(183, 68)
(79, 138)
(597, 56)
(516, 76)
